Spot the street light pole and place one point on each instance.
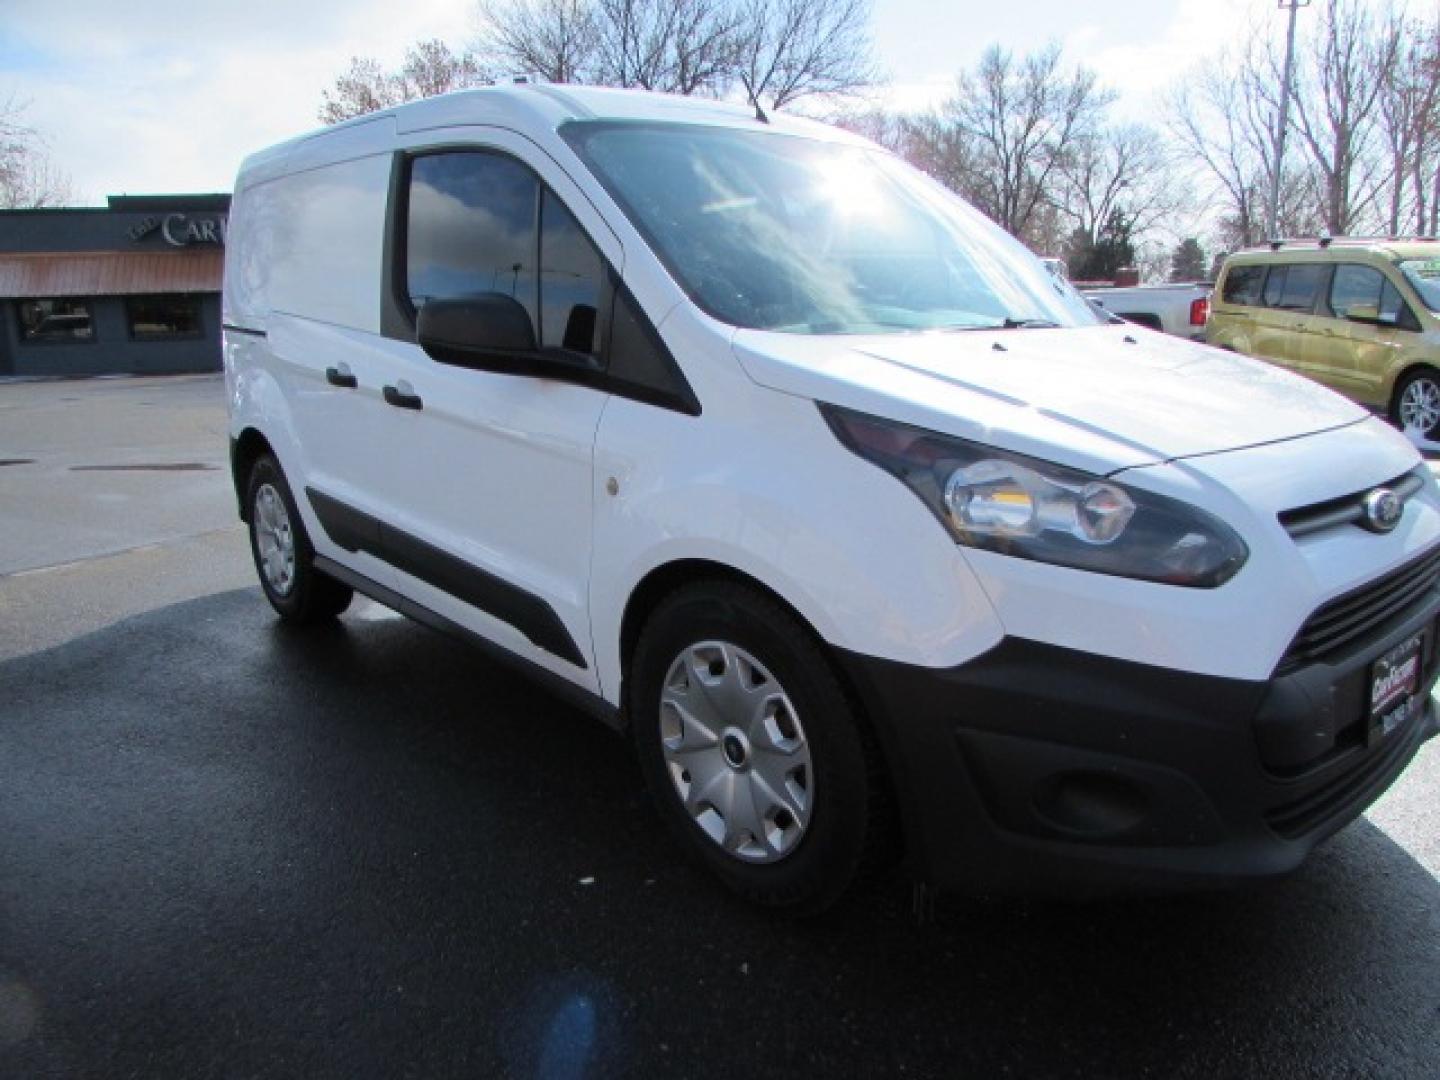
(1282, 125)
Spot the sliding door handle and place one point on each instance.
(341, 377)
(401, 400)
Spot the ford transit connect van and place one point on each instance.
(1359, 316)
(876, 538)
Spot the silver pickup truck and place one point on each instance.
(1181, 310)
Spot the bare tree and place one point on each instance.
(1410, 120)
(1022, 119)
(935, 145)
(28, 177)
(790, 49)
(430, 68)
(876, 124)
(364, 88)
(785, 50)
(1222, 118)
(673, 46)
(1349, 63)
(1125, 167)
(556, 39)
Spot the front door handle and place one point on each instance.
(400, 400)
(337, 377)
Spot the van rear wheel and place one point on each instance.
(753, 753)
(1417, 403)
(284, 558)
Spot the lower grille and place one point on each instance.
(1348, 617)
(1306, 814)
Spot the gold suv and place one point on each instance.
(1356, 315)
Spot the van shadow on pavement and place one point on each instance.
(229, 848)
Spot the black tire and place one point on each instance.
(307, 596)
(1423, 381)
(847, 832)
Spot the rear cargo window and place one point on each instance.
(1243, 285)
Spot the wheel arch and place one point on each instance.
(1399, 381)
(246, 449)
(663, 580)
(666, 578)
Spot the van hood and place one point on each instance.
(1100, 398)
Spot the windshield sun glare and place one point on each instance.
(777, 232)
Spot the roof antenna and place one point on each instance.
(750, 91)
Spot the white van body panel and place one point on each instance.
(310, 243)
(764, 487)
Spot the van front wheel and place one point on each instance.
(1417, 403)
(751, 749)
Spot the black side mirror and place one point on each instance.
(490, 331)
(493, 332)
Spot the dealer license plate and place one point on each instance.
(1394, 679)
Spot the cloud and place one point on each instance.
(1141, 70)
(163, 95)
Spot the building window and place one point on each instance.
(55, 320)
(163, 318)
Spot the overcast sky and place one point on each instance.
(151, 96)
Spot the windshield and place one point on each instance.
(776, 232)
(1424, 277)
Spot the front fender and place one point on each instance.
(765, 489)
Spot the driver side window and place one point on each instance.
(471, 228)
(481, 222)
(1355, 286)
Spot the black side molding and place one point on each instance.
(562, 688)
(243, 330)
(355, 530)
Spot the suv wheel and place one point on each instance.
(1417, 403)
(283, 556)
(751, 749)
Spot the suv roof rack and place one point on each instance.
(1323, 242)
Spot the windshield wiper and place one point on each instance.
(1008, 324)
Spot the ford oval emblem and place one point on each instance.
(1383, 510)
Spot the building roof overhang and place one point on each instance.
(108, 273)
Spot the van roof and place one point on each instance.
(530, 108)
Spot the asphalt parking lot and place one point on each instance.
(231, 849)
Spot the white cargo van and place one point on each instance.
(875, 536)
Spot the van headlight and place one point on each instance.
(1034, 509)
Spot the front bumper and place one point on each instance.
(1036, 769)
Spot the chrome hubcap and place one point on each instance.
(1420, 406)
(274, 540)
(736, 751)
